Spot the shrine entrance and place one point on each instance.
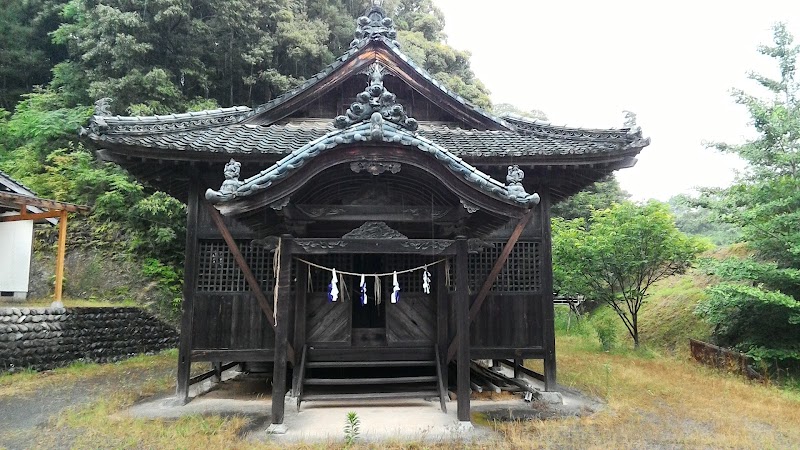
(368, 321)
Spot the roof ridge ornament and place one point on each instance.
(376, 104)
(630, 122)
(228, 189)
(516, 191)
(374, 25)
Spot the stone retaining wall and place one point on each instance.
(45, 338)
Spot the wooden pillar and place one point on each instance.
(462, 326)
(442, 316)
(518, 362)
(62, 249)
(282, 329)
(301, 290)
(548, 322)
(187, 305)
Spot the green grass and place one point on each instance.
(29, 380)
(77, 303)
(667, 318)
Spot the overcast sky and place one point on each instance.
(672, 63)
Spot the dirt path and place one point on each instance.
(24, 417)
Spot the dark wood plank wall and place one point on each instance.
(510, 324)
(230, 321)
(508, 320)
(327, 323)
(411, 321)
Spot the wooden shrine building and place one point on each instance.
(372, 168)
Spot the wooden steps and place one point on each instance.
(334, 364)
(351, 374)
(361, 381)
(371, 396)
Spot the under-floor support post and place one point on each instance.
(462, 327)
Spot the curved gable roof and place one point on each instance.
(381, 131)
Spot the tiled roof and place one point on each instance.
(13, 185)
(285, 138)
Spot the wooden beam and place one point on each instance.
(284, 289)
(254, 285)
(18, 200)
(29, 216)
(62, 249)
(548, 320)
(462, 327)
(301, 288)
(185, 354)
(487, 284)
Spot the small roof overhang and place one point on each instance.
(25, 207)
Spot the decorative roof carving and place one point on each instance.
(374, 24)
(102, 107)
(630, 123)
(514, 184)
(374, 230)
(377, 104)
(228, 189)
(375, 167)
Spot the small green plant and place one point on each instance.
(607, 369)
(351, 428)
(606, 329)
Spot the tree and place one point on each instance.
(618, 254)
(25, 47)
(600, 195)
(164, 56)
(507, 109)
(693, 217)
(756, 307)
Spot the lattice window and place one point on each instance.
(217, 270)
(521, 273)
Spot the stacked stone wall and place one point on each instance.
(46, 338)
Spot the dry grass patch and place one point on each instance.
(657, 401)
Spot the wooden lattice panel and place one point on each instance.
(521, 273)
(217, 270)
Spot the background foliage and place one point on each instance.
(165, 56)
(756, 308)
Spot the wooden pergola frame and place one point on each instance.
(54, 210)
